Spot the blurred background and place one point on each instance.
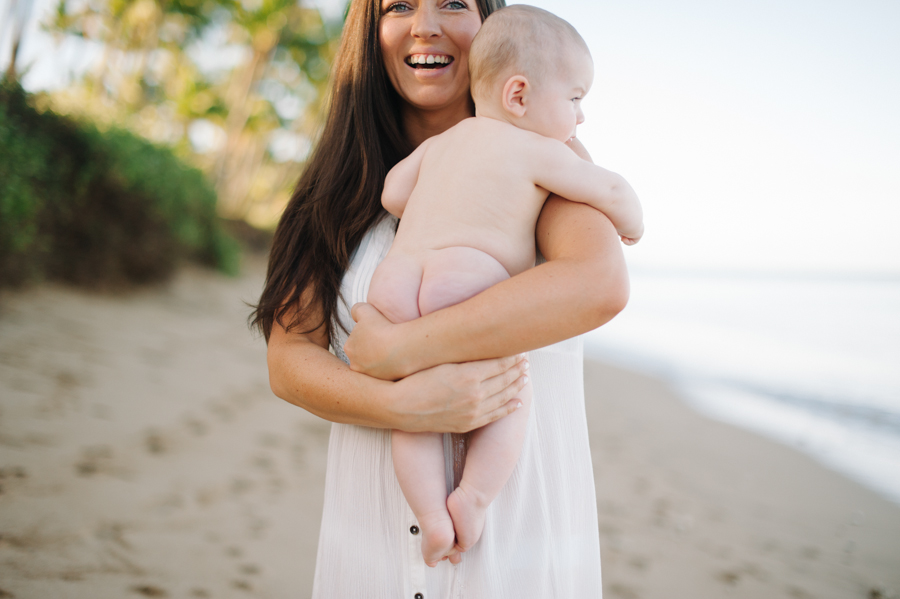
(205, 109)
(157, 142)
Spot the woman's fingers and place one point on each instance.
(507, 377)
(496, 383)
(462, 397)
(499, 366)
(505, 410)
(505, 401)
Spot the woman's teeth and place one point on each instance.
(428, 61)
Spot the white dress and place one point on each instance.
(540, 538)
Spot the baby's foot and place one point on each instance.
(437, 537)
(467, 508)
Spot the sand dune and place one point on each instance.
(142, 454)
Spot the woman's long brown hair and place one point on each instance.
(338, 196)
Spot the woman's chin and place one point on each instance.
(436, 99)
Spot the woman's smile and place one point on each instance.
(429, 61)
(426, 66)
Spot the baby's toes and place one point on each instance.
(437, 543)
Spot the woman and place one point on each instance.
(441, 372)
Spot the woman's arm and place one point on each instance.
(582, 286)
(448, 398)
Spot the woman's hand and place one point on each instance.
(372, 345)
(458, 398)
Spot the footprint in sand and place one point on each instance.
(270, 440)
(149, 590)
(639, 562)
(155, 442)
(10, 478)
(197, 427)
(617, 589)
(223, 412)
(730, 578)
(94, 459)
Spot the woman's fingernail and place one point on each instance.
(525, 380)
(519, 405)
(521, 356)
(527, 365)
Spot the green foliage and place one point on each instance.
(259, 105)
(97, 207)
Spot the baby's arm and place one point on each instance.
(401, 180)
(559, 170)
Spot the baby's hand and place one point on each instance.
(627, 240)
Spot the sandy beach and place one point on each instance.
(142, 454)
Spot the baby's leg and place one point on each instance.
(493, 452)
(419, 466)
(451, 276)
(418, 457)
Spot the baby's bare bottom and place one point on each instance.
(403, 288)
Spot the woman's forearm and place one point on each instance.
(306, 374)
(447, 398)
(582, 286)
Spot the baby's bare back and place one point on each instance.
(475, 189)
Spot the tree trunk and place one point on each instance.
(18, 26)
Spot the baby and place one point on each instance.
(468, 201)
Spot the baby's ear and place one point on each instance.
(515, 90)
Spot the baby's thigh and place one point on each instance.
(453, 275)
(394, 289)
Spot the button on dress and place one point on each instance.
(540, 537)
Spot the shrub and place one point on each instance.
(100, 208)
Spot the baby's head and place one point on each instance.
(530, 67)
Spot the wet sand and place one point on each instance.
(693, 508)
(142, 454)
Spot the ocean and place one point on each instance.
(812, 362)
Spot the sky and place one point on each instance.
(760, 135)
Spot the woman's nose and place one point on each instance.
(426, 21)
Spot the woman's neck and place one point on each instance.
(421, 124)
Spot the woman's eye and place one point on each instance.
(457, 5)
(397, 7)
